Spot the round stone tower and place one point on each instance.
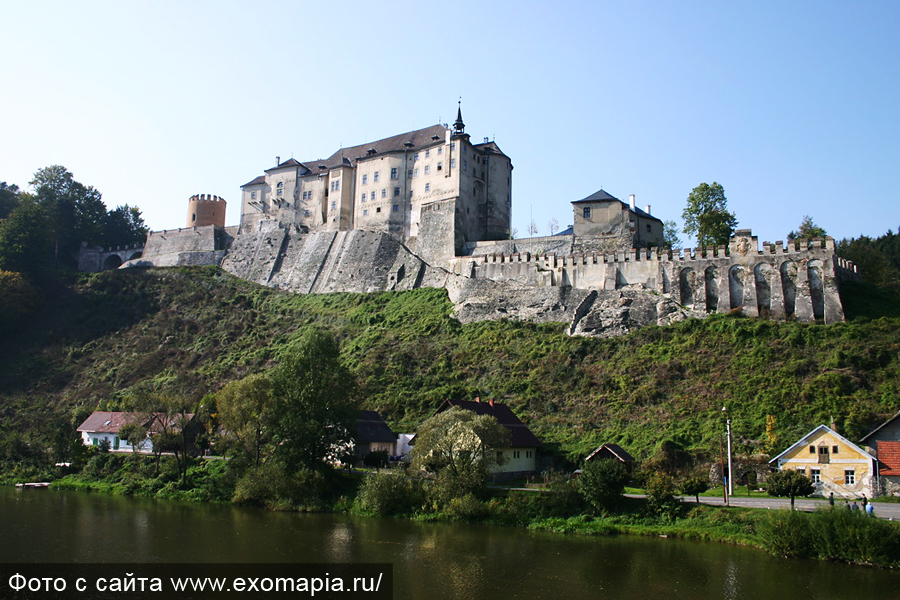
(206, 209)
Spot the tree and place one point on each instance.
(671, 241)
(694, 486)
(459, 442)
(17, 301)
(244, 409)
(134, 434)
(807, 230)
(553, 226)
(9, 198)
(532, 228)
(789, 482)
(706, 215)
(313, 410)
(25, 244)
(124, 226)
(602, 483)
(661, 494)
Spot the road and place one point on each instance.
(883, 510)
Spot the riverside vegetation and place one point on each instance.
(101, 341)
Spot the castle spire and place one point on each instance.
(459, 127)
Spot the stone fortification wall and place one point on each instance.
(190, 246)
(329, 261)
(795, 281)
(556, 244)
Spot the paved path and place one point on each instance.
(883, 510)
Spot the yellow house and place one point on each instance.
(833, 463)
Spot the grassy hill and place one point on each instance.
(190, 331)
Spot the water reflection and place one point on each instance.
(443, 560)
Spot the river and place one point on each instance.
(430, 560)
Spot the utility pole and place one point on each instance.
(730, 479)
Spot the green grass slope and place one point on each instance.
(190, 331)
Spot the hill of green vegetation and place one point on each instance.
(190, 331)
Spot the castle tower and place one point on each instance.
(206, 209)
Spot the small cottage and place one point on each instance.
(833, 463)
(104, 426)
(373, 434)
(612, 452)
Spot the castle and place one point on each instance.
(429, 208)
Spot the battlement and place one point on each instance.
(205, 198)
(206, 209)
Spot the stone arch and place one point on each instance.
(736, 277)
(136, 255)
(788, 272)
(816, 288)
(711, 284)
(762, 275)
(687, 284)
(113, 261)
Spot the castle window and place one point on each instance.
(586, 212)
(365, 179)
(465, 165)
(396, 208)
(375, 176)
(453, 145)
(396, 191)
(440, 166)
(416, 156)
(410, 193)
(394, 173)
(409, 174)
(384, 192)
(280, 189)
(648, 227)
(378, 210)
(427, 169)
(427, 187)
(366, 212)
(373, 194)
(363, 197)
(333, 205)
(440, 149)
(415, 172)
(452, 163)
(427, 153)
(253, 195)
(193, 217)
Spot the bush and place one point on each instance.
(661, 498)
(271, 486)
(602, 483)
(694, 486)
(448, 486)
(377, 459)
(386, 494)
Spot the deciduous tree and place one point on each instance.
(602, 483)
(244, 409)
(807, 230)
(460, 442)
(789, 482)
(706, 215)
(314, 405)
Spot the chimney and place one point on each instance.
(477, 399)
(491, 402)
(647, 209)
(631, 201)
(277, 160)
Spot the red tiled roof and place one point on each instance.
(889, 457)
(520, 435)
(111, 422)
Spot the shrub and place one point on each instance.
(378, 459)
(789, 482)
(786, 533)
(386, 494)
(694, 486)
(602, 483)
(661, 498)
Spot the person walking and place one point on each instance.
(831, 498)
(870, 509)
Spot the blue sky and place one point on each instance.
(794, 107)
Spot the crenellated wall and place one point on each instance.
(799, 280)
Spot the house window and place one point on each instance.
(396, 191)
(394, 173)
(834, 449)
(409, 174)
(396, 208)
(415, 172)
(440, 149)
(253, 195)
(280, 189)
(452, 163)
(335, 186)
(307, 195)
(427, 153)
(373, 194)
(365, 179)
(648, 227)
(453, 145)
(440, 166)
(427, 169)
(516, 453)
(816, 475)
(850, 477)
(586, 213)
(366, 212)
(416, 156)
(363, 197)
(333, 205)
(528, 453)
(375, 176)
(427, 187)
(812, 449)
(384, 192)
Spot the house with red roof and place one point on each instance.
(883, 442)
(103, 426)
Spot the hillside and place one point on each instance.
(190, 331)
